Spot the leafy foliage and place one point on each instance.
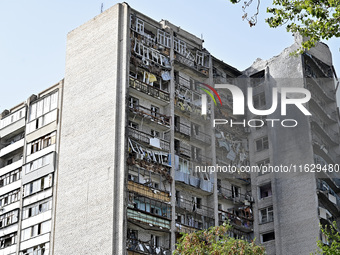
(312, 19)
(215, 241)
(333, 239)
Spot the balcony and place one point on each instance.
(149, 139)
(201, 159)
(183, 150)
(320, 147)
(150, 115)
(201, 137)
(189, 60)
(239, 222)
(332, 137)
(13, 146)
(194, 207)
(135, 245)
(327, 93)
(148, 219)
(205, 185)
(231, 195)
(183, 129)
(12, 122)
(148, 191)
(149, 90)
(328, 196)
(324, 108)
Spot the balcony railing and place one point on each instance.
(323, 186)
(328, 93)
(147, 138)
(228, 194)
(190, 62)
(201, 159)
(148, 191)
(149, 90)
(328, 111)
(183, 129)
(148, 219)
(193, 207)
(148, 247)
(149, 114)
(237, 221)
(331, 134)
(201, 136)
(183, 149)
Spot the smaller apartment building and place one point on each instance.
(28, 163)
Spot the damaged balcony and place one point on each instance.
(149, 114)
(328, 197)
(242, 222)
(148, 211)
(201, 137)
(151, 192)
(136, 246)
(314, 84)
(149, 90)
(148, 139)
(320, 148)
(323, 108)
(182, 129)
(232, 195)
(182, 149)
(192, 216)
(332, 137)
(187, 55)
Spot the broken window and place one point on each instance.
(133, 102)
(262, 143)
(177, 146)
(40, 249)
(163, 38)
(180, 46)
(8, 240)
(261, 163)
(266, 190)
(154, 111)
(140, 26)
(195, 129)
(259, 100)
(236, 191)
(37, 208)
(133, 125)
(266, 215)
(267, 237)
(195, 153)
(155, 133)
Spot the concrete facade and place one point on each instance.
(111, 165)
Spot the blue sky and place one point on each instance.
(33, 37)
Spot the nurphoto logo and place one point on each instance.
(239, 105)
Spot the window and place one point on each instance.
(8, 240)
(265, 190)
(177, 146)
(196, 153)
(41, 249)
(154, 110)
(35, 230)
(38, 185)
(180, 46)
(41, 143)
(133, 102)
(163, 38)
(266, 215)
(10, 177)
(15, 116)
(155, 240)
(198, 202)
(177, 123)
(44, 105)
(259, 100)
(9, 218)
(37, 208)
(195, 129)
(235, 191)
(140, 26)
(38, 163)
(259, 164)
(10, 198)
(267, 237)
(262, 143)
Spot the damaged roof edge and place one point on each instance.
(234, 70)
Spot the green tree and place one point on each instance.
(333, 238)
(215, 241)
(313, 19)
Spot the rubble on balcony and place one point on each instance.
(134, 244)
(148, 139)
(150, 115)
(145, 190)
(240, 218)
(233, 196)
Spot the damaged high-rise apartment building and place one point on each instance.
(105, 161)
